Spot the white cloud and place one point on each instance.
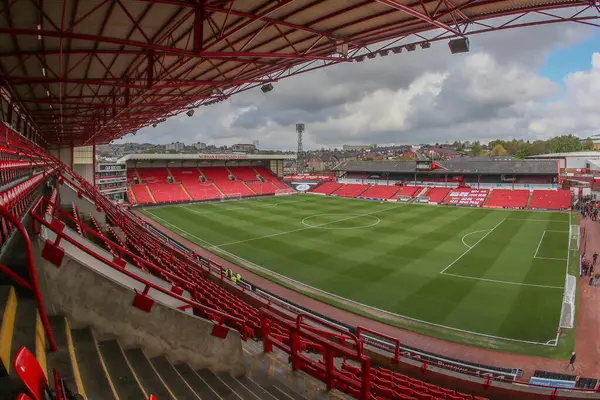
(428, 95)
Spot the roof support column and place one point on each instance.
(199, 17)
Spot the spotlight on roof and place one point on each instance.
(460, 45)
(371, 56)
(384, 53)
(411, 47)
(266, 88)
(397, 50)
(189, 113)
(360, 58)
(154, 125)
(425, 45)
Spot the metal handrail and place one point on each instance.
(35, 287)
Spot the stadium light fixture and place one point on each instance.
(154, 125)
(459, 45)
(360, 58)
(425, 45)
(267, 88)
(411, 47)
(371, 56)
(397, 50)
(384, 53)
(190, 113)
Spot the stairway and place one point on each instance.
(185, 191)
(150, 193)
(100, 368)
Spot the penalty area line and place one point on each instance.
(471, 248)
(505, 282)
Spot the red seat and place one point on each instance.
(384, 391)
(152, 397)
(31, 374)
(23, 396)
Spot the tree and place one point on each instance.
(498, 150)
(475, 149)
(588, 144)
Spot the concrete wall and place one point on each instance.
(92, 294)
(68, 196)
(86, 171)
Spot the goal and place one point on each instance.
(567, 314)
(231, 196)
(283, 192)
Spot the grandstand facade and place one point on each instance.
(518, 184)
(165, 178)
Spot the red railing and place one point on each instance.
(325, 370)
(33, 284)
(57, 226)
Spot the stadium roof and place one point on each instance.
(587, 154)
(205, 157)
(90, 71)
(517, 167)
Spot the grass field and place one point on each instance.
(458, 273)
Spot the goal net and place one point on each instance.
(283, 192)
(231, 196)
(567, 315)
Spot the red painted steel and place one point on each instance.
(204, 48)
(5, 213)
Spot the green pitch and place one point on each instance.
(496, 275)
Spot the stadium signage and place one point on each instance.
(303, 187)
(112, 167)
(552, 382)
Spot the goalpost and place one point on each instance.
(282, 192)
(567, 314)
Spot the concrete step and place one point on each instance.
(8, 314)
(150, 380)
(93, 371)
(63, 360)
(258, 390)
(175, 382)
(198, 385)
(224, 391)
(236, 386)
(18, 326)
(120, 372)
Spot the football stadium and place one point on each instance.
(220, 275)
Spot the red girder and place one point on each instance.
(181, 63)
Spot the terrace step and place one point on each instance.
(94, 374)
(17, 328)
(121, 374)
(150, 380)
(198, 385)
(174, 381)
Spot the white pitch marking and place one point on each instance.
(377, 221)
(539, 244)
(352, 301)
(505, 282)
(470, 233)
(305, 228)
(470, 248)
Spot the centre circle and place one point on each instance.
(350, 221)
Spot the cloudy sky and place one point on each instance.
(521, 83)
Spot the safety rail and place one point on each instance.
(397, 354)
(57, 227)
(33, 285)
(325, 371)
